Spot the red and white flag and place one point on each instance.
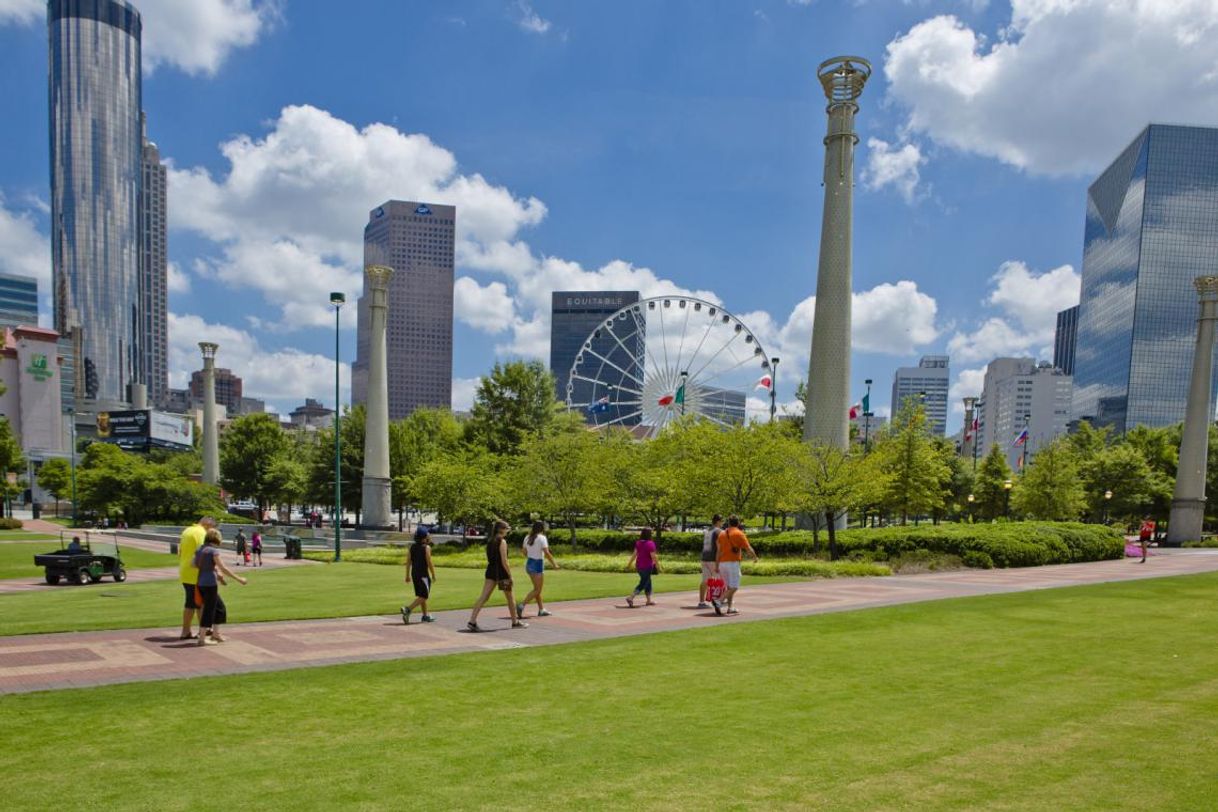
(764, 382)
(856, 410)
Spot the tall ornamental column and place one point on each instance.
(211, 440)
(1188, 504)
(828, 399)
(377, 485)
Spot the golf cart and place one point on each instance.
(90, 555)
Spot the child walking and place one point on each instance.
(420, 573)
(647, 563)
(256, 547)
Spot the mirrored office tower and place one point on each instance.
(1152, 226)
(94, 67)
(416, 240)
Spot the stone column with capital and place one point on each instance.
(828, 399)
(211, 439)
(377, 507)
(1188, 503)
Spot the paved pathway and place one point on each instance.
(48, 661)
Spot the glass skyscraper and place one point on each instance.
(1152, 226)
(18, 300)
(95, 98)
(1065, 338)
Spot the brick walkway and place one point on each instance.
(49, 661)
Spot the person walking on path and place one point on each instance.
(421, 573)
(243, 554)
(256, 547)
(1145, 534)
(647, 563)
(211, 575)
(191, 540)
(732, 544)
(498, 575)
(710, 554)
(536, 549)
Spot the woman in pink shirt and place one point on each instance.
(646, 563)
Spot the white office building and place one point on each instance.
(1018, 392)
(928, 381)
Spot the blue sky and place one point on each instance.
(665, 146)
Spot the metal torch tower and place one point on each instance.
(828, 398)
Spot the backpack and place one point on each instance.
(710, 541)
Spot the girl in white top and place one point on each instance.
(537, 551)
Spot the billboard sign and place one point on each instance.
(141, 429)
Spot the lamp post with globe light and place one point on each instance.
(1006, 487)
(337, 298)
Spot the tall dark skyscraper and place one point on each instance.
(154, 266)
(1065, 339)
(416, 240)
(96, 151)
(574, 316)
(1152, 226)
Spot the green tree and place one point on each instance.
(422, 435)
(249, 451)
(649, 478)
(1050, 488)
(560, 474)
(745, 470)
(989, 488)
(833, 482)
(320, 487)
(1134, 485)
(464, 487)
(113, 482)
(515, 400)
(55, 477)
(917, 476)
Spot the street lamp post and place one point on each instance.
(971, 499)
(867, 420)
(1006, 487)
(337, 298)
(684, 393)
(773, 387)
(1107, 499)
(72, 458)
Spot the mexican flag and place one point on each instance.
(679, 399)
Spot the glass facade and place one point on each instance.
(417, 240)
(18, 300)
(95, 147)
(574, 318)
(1152, 226)
(1064, 339)
(154, 267)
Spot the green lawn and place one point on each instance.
(1087, 698)
(325, 590)
(17, 561)
(25, 535)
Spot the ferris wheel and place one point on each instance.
(657, 360)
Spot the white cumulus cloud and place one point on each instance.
(24, 250)
(22, 12)
(895, 165)
(1064, 85)
(529, 20)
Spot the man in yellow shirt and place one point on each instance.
(732, 543)
(191, 540)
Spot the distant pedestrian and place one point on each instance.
(256, 547)
(732, 544)
(710, 553)
(1145, 533)
(188, 544)
(646, 563)
(536, 549)
(420, 573)
(243, 552)
(498, 575)
(211, 576)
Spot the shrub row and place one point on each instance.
(9, 524)
(1015, 544)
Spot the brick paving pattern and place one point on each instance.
(51, 661)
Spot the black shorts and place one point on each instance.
(189, 589)
(422, 587)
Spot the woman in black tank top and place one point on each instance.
(498, 574)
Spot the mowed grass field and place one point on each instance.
(17, 558)
(1101, 697)
(296, 593)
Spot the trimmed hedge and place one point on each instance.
(615, 541)
(10, 524)
(1014, 544)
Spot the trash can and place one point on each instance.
(291, 547)
(37, 508)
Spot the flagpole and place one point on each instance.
(773, 387)
(867, 419)
(1023, 457)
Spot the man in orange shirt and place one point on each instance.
(732, 544)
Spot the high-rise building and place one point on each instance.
(1152, 226)
(1020, 393)
(228, 390)
(312, 413)
(928, 382)
(18, 300)
(154, 268)
(417, 240)
(95, 103)
(728, 406)
(575, 316)
(1065, 339)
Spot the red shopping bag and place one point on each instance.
(715, 587)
